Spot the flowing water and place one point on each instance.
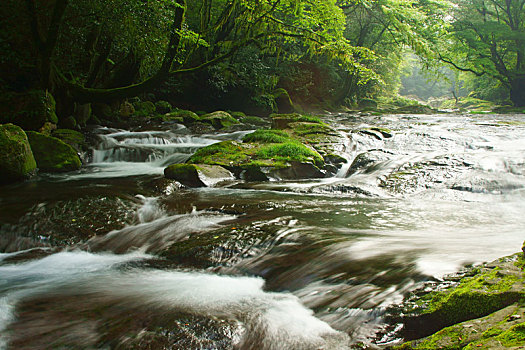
(115, 256)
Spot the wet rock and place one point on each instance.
(282, 121)
(29, 110)
(364, 162)
(163, 107)
(16, 158)
(198, 175)
(184, 116)
(72, 137)
(219, 119)
(201, 128)
(493, 287)
(298, 170)
(52, 154)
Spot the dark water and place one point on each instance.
(115, 256)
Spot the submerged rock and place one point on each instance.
(52, 154)
(198, 175)
(16, 158)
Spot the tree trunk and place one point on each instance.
(517, 92)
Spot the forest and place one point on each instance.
(262, 56)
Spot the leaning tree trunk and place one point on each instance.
(517, 92)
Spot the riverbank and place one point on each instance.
(483, 308)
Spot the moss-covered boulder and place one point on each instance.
(503, 329)
(144, 109)
(493, 287)
(16, 158)
(29, 110)
(72, 137)
(182, 115)
(253, 120)
(283, 121)
(219, 119)
(198, 175)
(163, 107)
(52, 154)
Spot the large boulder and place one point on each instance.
(219, 119)
(52, 154)
(198, 175)
(16, 158)
(183, 116)
(29, 110)
(72, 137)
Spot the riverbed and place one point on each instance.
(116, 256)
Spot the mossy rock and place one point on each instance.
(237, 156)
(52, 154)
(253, 120)
(187, 117)
(145, 109)
(163, 107)
(219, 119)
(198, 175)
(72, 137)
(16, 159)
(502, 329)
(237, 115)
(494, 287)
(29, 110)
(283, 121)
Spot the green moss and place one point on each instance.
(71, 137)
(238, 115)
(182, 115)
(475, 297)
(16, 159)
(492, 332)
(449, 338)
(219, 119)
(162, 107)
(145, 109)
(253, 120)
(52, 154)
(267, 136)
(309, 128)
(222, 153)
(514, 336)
(290, 151)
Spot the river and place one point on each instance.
(114, 256)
